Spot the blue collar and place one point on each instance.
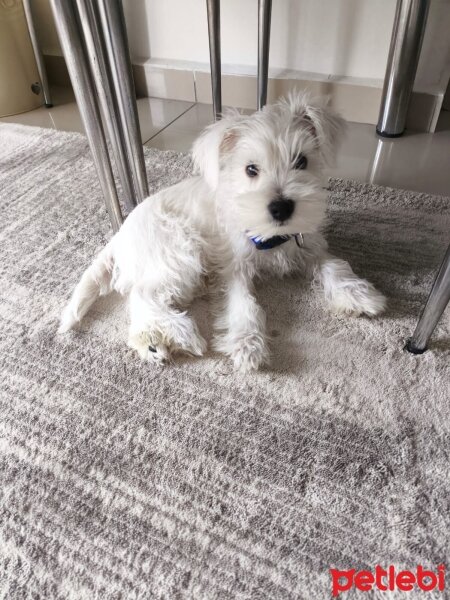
(275, 241)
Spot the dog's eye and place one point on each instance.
(301, 162)
(252, 170)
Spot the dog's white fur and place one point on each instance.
(198, 231)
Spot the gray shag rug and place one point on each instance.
(123, 480)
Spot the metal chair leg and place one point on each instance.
(264, 18)
(108, 102)
(406, 42)
(434, 308)
(116, 43)
(213, 9)
(77, 65)
(37, 53)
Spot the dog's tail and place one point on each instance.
(95, 282)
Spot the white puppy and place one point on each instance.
(256, 208)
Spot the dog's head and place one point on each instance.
(266, 168)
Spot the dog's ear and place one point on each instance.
(325, 125)
(213, 145)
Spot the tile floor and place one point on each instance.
(416, 161)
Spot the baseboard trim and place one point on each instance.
(356, 100)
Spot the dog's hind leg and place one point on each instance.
(95, 282)
(158, 328)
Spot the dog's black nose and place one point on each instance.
(281, 209)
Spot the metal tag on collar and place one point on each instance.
(299, 240)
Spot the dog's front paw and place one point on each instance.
(360, 298)
(249, 353)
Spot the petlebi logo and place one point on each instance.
(388, 579)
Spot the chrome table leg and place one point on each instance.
(108, 102)
(85, 93)
(213, 8)
(37, 53)
(435, 306)
(406, 42)
(264, 18)
(116, 43)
